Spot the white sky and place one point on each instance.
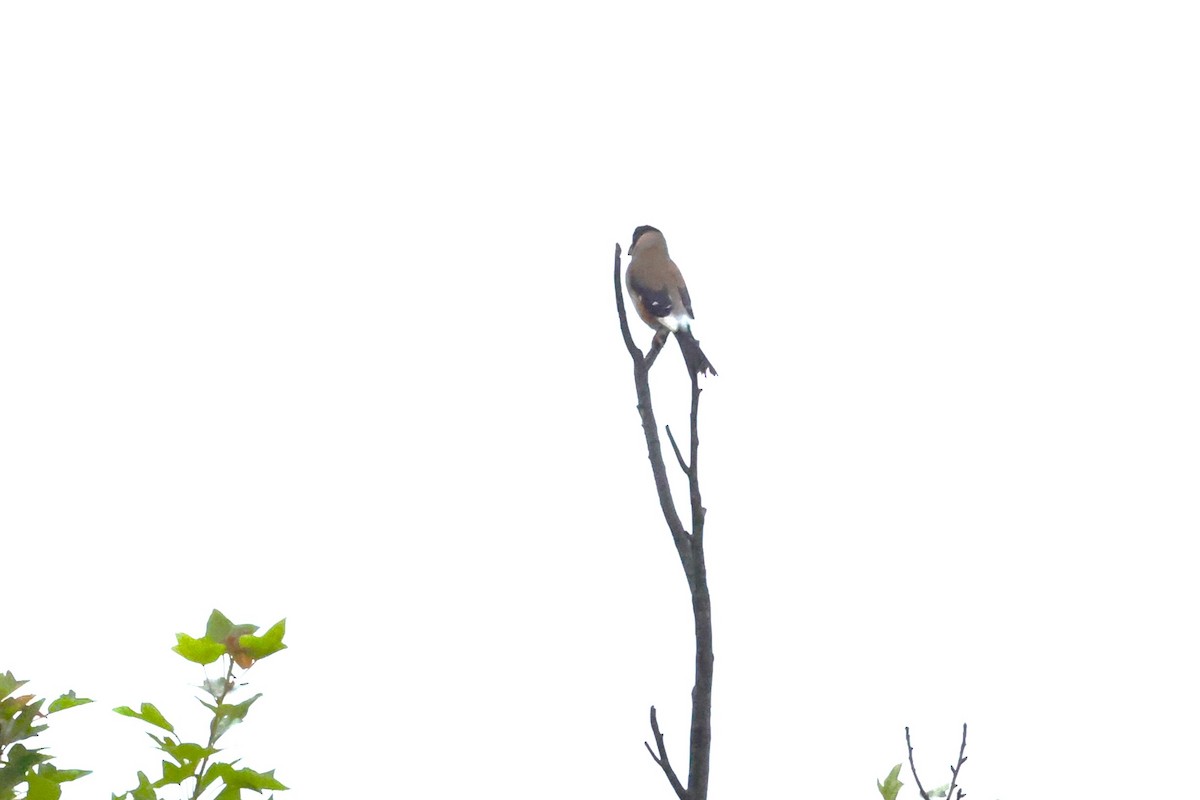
(306, 311)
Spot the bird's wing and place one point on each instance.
(687, 300)
(657, 302)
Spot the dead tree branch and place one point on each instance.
(678, 455)
(954, 769)
(913, 766)
(962, 759)
(661, 758)
(689, 546)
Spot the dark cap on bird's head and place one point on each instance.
(637, 234)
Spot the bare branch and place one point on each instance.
(962, 759)
(913, 766)
(661, 759)
(954, 768)
(634, 352)
(693, 472)
(697, 575)
(678, 455)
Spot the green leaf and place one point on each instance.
(52, 773)
(217, 687)
(940, 791)
(246, 778)
(21, 761)
(200, 651)
(220, 629)
(64, 775)
(148, 714)
(144, 790)
(18, 718)
(891, 784)
(174, 774)
(259, 647)
(9, 684)
(42, 789)
(214, 771)
(231, 714)
(21, 758)
(185, 753)
(68, 700)
(229, 793)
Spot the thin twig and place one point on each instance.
(693, 472)
(678, 455)
(661, 758)
(629, 345)
(913, 766)
(962, 759)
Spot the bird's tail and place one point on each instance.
(693, 356)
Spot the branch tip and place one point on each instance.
(661, 758)
(962, 759)
(634, 352)
(678, 455)
(913, 766)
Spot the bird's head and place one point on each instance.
(652, 234)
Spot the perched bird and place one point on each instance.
(660, 295)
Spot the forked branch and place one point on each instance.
(661, 759)
(954, 769)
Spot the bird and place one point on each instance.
(661, 296)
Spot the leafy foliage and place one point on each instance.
(192, 761)
(23, 766)
(27, 774)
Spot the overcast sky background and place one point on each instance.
(306, 311)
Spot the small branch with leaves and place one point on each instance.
(241, 646)
(690, 547)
